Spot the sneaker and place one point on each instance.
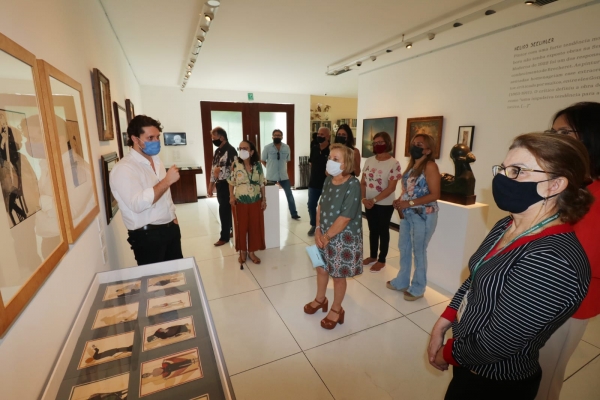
(378, 266)
(389, 286)
(410, 297)
(311, 231)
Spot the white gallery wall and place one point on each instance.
(470, 84)
(75, 37)
(180, 112)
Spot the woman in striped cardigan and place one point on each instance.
(527, 278)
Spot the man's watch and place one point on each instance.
(411, 203)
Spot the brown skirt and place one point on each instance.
(249, 226)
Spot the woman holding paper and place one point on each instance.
(338, 234)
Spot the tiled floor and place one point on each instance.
(275, 351)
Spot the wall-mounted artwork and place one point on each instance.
(32, 225)
(121, 125)
(465, 135)
(101, 86)
(130, 110)
(110, 203)
(371, 127)
(428, 125)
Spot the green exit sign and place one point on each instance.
(250, 96)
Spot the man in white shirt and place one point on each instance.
(141, 186)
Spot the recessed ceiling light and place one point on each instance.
(409, 45)
(530, 2)
(457, 24)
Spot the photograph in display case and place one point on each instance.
(371, 127)
(432, 126)
(466, 135)
(122, 290)
(167, 333)
(116, 315)
(166, 281)
(107, 349)
(173, 370)
(205, 397)
(160, 305)
(113, 388)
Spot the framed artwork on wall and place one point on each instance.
(429, 125)
(121, 128)
(371, 127)
(101, 86)
(110, 203)
(32, 227)
(130, 111)
(67, 124)
(465, 135)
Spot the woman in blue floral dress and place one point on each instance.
(338, 234)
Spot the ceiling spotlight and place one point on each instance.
(530, 2)
(203, 32)
(190, 66)
(200, 40)
(186, 77)
(373, 58)
(431, 36)
(189, 73)
(208, 17)
(457, 24)
(490, 12)
(213, 3)
(388, 51)
(346, 68)
(409, 45)
(358, 63)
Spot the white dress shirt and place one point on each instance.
(132, 183)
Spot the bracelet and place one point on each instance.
(327, 237)
(317, 227)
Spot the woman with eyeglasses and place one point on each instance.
(248, 201)
(418, 210)
(529, 275)
(582, 122)
(345, 136)
(380, 175)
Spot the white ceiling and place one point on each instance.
(272, 45)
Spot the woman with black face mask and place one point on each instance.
(527, 278)
(345, 136)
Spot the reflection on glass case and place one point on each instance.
(143, 332)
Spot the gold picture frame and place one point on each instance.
(428, 125)
(72, 149)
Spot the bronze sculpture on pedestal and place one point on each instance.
(460, 187)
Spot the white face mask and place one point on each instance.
(244, 154)
(333, 168)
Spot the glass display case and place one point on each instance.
(143, 332)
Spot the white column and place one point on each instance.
(272, 227)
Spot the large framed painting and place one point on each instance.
(130, 110)
(371, 127)
(65, 112)
(101, 86)
(121, 129)
(32, 230)
(429, 125)
(110, 203)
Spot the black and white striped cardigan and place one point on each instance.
(517, 300)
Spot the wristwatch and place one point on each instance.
(411, 203)
(374, 199)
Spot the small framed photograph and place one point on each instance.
(116, 315)
(130, 110)
(166, 281)
(465, 135)
(116, 387)
(110, 203)
(160, 305)
(101, 86)
(122, 290)
(170, 371)
(110, 348)
(167, 333)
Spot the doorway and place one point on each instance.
(247, 121)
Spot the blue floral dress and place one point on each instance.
(344, 253)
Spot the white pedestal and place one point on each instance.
(460, 230)
(272, 237)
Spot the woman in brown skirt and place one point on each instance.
(248, 201)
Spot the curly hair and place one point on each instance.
(137, 124)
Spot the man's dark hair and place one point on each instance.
(221, 132)
(137, 124)
(278, 130)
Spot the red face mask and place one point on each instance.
(379, 148)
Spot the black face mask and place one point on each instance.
(514, 196)
(277, 140)
(217, 142)
(341, 139)
(416, 152)
(320, 139)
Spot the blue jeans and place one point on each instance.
(287, 188)
(313, 202)
(416, 231)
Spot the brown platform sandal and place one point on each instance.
(329, 324)
(254, 258)
(321, 305)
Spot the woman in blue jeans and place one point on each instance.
(419, 211)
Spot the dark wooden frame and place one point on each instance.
(472, 135)
(98, 79)
(110, 209)
(250, 126)
(438, 145)
(116, 108)
(130, 110)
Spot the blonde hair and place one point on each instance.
(430, 142)
(348, 154)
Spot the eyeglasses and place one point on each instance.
(561, 131)
(513, 172)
